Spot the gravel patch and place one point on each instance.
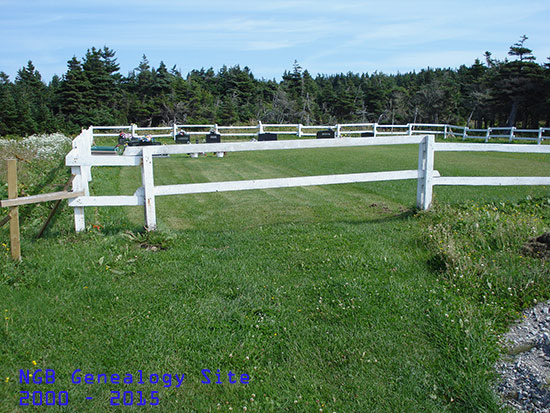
(525, 368)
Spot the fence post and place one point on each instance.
(374, 125)
(465, 133)
(260, 127)
(174, 131)
(15, 239)
(299, 130)
(80, 182)
(512, 129)
(149, 190)
(89, 134)
(133, 127)
(445, 132)
(409, 125)
(424, 188)
(337, 130)
(82, 175)
(487, 135)
(539, 138)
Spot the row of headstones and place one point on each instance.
(214, 137)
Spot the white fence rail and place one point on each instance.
(81, 160)
(341, 131)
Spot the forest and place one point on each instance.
(510, 92)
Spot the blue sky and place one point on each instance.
(324, 36)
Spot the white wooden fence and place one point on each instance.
(341, 131)
(81, 160)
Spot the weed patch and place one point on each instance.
(479, 251)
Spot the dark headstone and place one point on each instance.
(267, 136)
(213, 137)
(367, 134)
(326, 134)
(183, 138)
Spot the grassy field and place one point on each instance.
(336, 298)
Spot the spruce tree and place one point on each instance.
(8, 108)
(31, 99)
(73, 90)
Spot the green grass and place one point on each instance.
(340, 298)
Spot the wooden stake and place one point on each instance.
(14, 211)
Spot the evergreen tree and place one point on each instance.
(8, 108)
(520, 51)
(516, 89)
(309, 109)
(100, 69)
(73, 90)
(140, 106)
(293, 82)
(31, 100)
(161, 83)
(228, 114)
(145, 79)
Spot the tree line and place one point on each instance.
(510, 92)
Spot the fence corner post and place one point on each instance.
(424, 188)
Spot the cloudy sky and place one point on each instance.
(324, 36)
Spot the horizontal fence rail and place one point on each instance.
(491, 180)
(81, 160)
(270, 145)
(341, 130)
(227, 186)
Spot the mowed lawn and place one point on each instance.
(327, 298)
(350, 202)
